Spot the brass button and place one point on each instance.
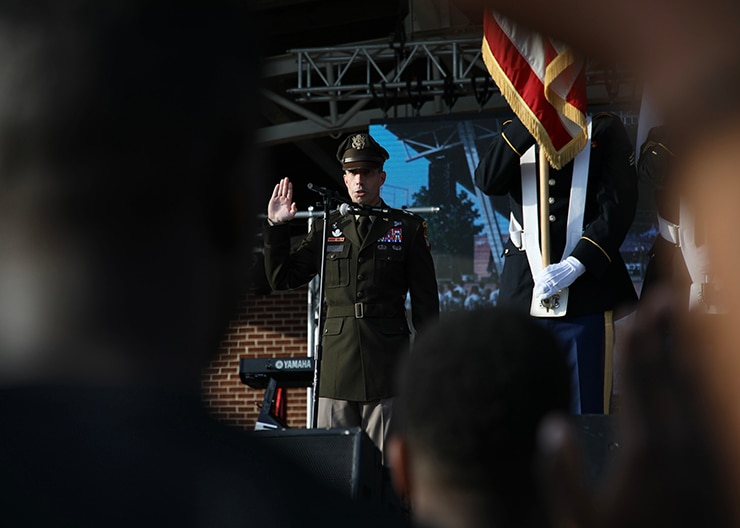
(551, 182)
(551, 200)
(551, 218)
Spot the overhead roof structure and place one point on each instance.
(331, 67)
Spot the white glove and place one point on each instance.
(555, 277)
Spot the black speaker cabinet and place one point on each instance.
(345, 459)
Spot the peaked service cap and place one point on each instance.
(361, 151)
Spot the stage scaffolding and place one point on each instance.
(312, 92)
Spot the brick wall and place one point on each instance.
(271, 325)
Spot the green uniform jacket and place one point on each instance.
(366, 328)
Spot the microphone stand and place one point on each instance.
(328, 196)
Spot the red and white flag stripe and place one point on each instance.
(544, 83)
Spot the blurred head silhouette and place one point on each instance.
(125, 131)
(472, 395)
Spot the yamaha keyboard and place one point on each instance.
(287, 372)
(271, 373)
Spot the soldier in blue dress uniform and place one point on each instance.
(593, 271)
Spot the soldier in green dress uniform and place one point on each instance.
(367, 280)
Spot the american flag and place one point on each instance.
(544, 83)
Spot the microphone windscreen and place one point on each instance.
(344, 209)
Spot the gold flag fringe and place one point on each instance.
(557, 158)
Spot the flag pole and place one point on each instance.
(557, 304)
(544, 177)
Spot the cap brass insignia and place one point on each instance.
(358, 142)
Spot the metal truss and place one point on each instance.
(332, 90)
(444, 67)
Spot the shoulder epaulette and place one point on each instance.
(410, 214)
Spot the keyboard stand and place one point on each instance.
(267, 420)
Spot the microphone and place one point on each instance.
(363, 210)
(322, 190)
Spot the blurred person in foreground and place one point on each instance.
(125, 236)
(671, 467)
(679, 464)
(471, 397)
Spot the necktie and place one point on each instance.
(363, 226)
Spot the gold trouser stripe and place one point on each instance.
(608, 357)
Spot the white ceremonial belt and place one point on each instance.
(669, 231)
(515, 232)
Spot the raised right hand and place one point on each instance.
(281, 208)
